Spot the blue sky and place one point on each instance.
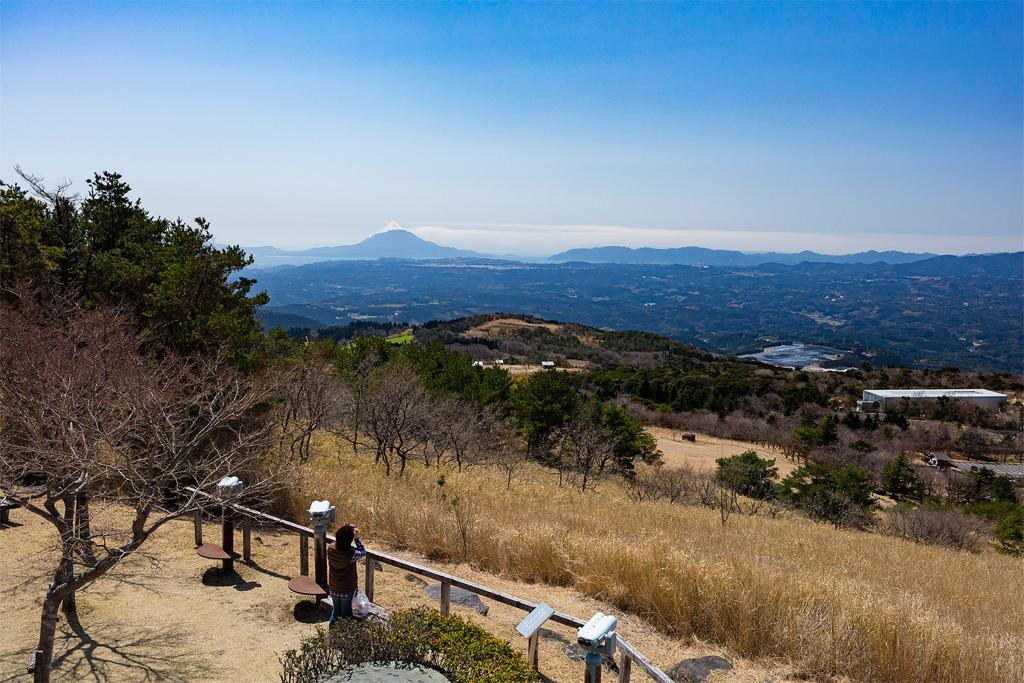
(530, 128)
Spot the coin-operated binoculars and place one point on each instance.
(228, 488)
(321, 513)
(598, 638)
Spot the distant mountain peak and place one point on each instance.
(398, 235)
(393, 241)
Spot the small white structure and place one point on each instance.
(548, 364)
(500, 361)
(979, 397)
(478, 364)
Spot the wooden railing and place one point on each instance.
(630, 655)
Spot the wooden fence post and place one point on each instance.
(304, 554)
(370, 562)
(198, 521)
(446, 597)
(228, 540)
(247, 539)
(320, 556)
(625, 668)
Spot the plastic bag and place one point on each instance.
(360, 606)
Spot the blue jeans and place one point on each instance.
(341, 607)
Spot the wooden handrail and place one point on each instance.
(628, 650)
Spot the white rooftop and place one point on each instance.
(933, 393)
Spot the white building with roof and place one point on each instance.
(979, 397)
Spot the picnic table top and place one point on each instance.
(212, 551)
(305, 585)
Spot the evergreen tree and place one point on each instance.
(1010, 533)
(748, 474)
(899, 479)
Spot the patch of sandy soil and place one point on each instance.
(702, 453)
(497, 328)
(166, 617)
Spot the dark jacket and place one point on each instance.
(342, 561)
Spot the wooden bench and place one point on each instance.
(5, 511)
(305, 585)
(212, 551)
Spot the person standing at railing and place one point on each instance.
(343, 579)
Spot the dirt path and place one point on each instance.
(701, 454)
(164, 617)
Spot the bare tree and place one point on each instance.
(314, 397)
(583, 448)
(85, 413)
(463, 435)
(938, 526)
(395, 415)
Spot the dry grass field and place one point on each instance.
(831, 603)
(702, 453)
(503, 327)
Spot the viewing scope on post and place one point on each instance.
(322, 513)
(229, 486)
(597, 636)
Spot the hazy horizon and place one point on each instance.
(529, 129)
(451, 238)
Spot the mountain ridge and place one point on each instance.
(701, 256)
(400, 243)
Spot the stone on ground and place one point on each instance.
(698, 669)
(459, 596)
(387, 673)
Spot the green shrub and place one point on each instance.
(1010, 533)
(899, 479)
(462, 651)
(748, 474)
(841, 496)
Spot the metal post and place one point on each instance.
(320, 555)
(228, 540)
(532, 647)
(304, 554)
(246, 539)
(446, 597)
(370, 563)
(592, 674)
(625, 668)
(198, 521)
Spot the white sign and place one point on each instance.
(535, 619)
